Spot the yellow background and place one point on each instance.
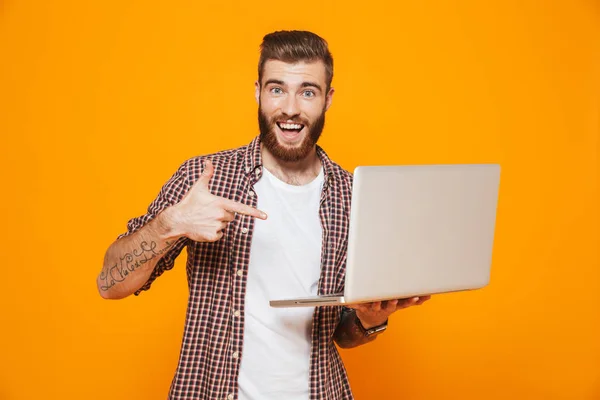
(100, 101)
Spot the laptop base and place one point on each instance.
(313, 301)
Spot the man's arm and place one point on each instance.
(199, 216)
(129, 261)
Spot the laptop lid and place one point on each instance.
(422, 229)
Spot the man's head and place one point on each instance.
(293, 91)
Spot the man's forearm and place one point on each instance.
(130, 260)
(348, 332)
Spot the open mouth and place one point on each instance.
(290, 127)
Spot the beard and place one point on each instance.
(268, 137)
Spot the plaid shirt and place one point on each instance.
(210, 355)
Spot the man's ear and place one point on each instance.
(329, 98)
(257, 92)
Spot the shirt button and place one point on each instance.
(244, 230)
(240, 272)
(236, 313)
(236, 355)
(251, 193)
(229, 397)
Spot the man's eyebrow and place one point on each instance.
(312, 84)
(304, 84)
(275, 82)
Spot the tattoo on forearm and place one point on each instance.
(130, 262)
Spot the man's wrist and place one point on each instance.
(370, 324)
(371, 329)
(166, 224)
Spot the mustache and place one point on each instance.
(284, 118)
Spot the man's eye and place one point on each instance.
(276, 90)
(308, 93)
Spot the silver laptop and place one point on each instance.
(416, 230)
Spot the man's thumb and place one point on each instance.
(207, 174)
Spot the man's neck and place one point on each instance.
(296, 173)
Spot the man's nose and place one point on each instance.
(290, 106)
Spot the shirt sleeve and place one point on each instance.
(171, 193)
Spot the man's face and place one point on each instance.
(292, 105)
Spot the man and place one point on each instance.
(235, 346)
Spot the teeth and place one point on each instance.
(290, 126)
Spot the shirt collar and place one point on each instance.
(253, 158)
(253, 162)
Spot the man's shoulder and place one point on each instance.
(333, 167)
(340, 173)
(343, 173)
(229, 159)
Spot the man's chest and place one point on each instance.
(311, 227)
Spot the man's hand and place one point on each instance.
(201, 216)
(375, 314)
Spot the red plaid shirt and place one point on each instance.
(211, 351)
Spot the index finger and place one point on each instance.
(240, 208)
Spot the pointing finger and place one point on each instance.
(229, 216)
(244, 209)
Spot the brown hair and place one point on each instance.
(295, 46)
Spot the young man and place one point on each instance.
(235, 346)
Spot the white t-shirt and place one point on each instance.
(285, 261)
